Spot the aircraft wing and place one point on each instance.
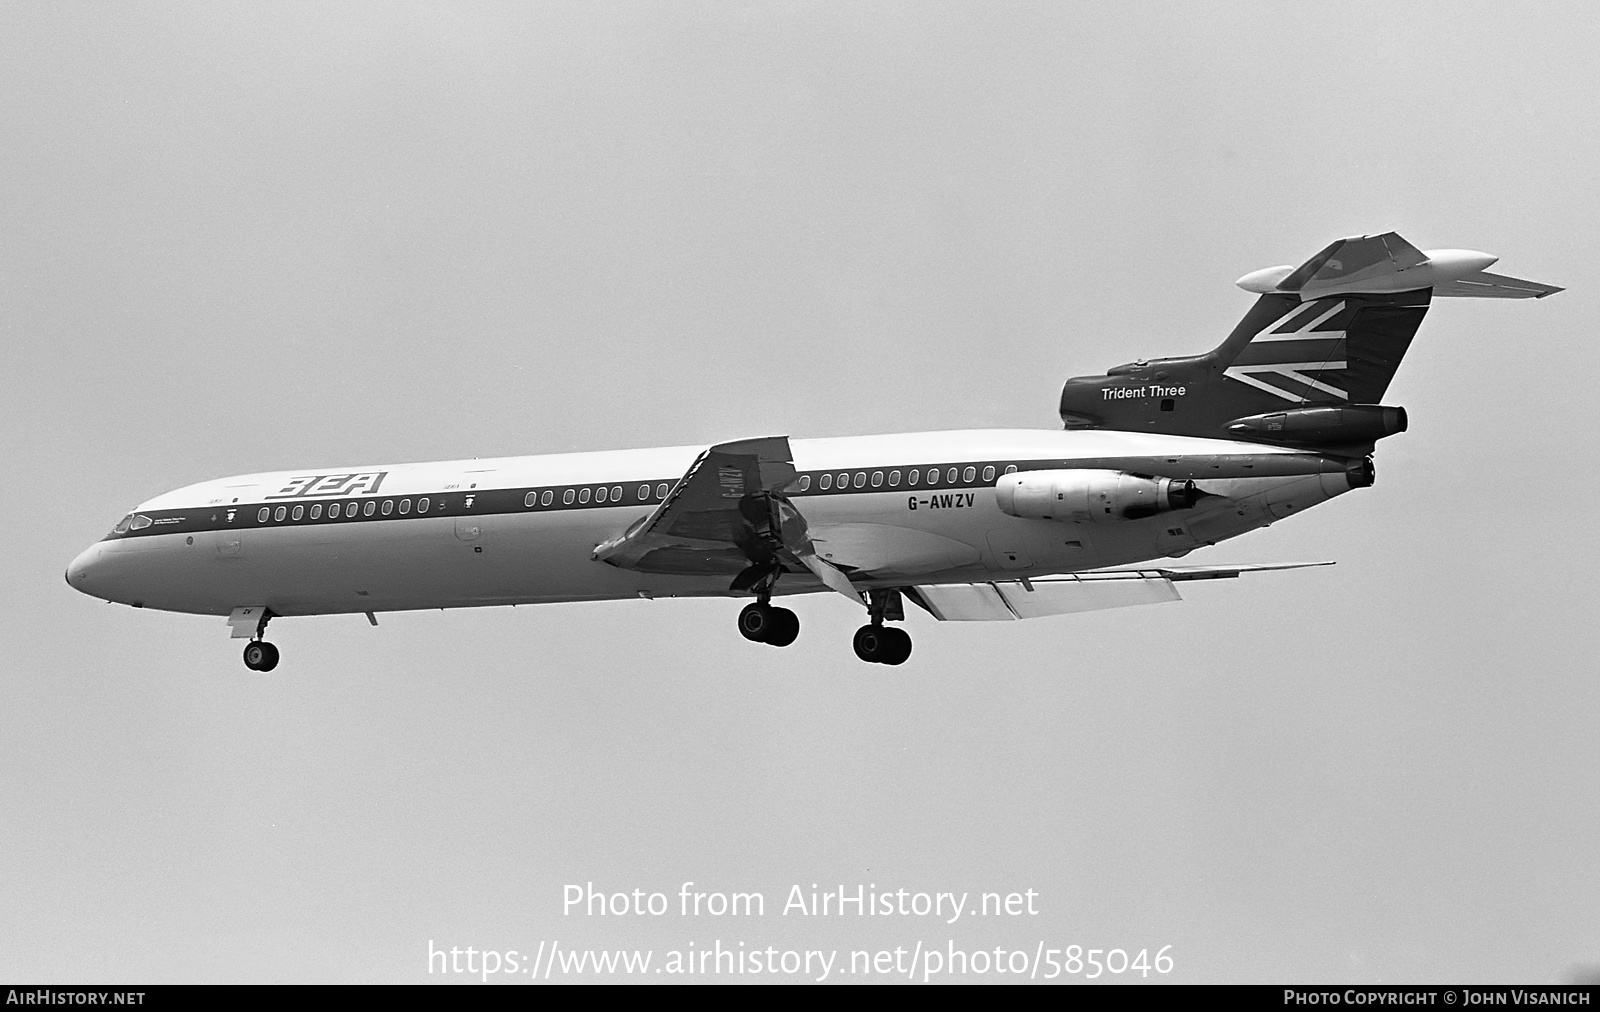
(727, 515)
(1065, 595)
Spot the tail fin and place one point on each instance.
(1311, 360)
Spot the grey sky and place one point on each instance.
(238, 238)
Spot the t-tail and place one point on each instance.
(1309, 364)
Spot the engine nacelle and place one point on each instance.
(1323, 426)
(1091, 495)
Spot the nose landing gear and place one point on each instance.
(259, 655)
(251, 621)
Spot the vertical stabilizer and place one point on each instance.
(1311, 360)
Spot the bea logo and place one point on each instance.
(330, 484)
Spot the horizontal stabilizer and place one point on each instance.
(1484, 285)
(1067, 595)
(1384, 264)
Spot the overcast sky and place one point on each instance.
(237, 238)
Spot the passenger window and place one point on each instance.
(644, 492)
(950, 476)
(616, 493)
(568, 496)
(600, 494)
(1167, 404)
(894, 478)
(583, 495)
(316, 511)
(388, 506)
(1011, 469)
(422, 504)
(261, 517)
(843, 480)
(370, 508)
(277, 514)
(405, 506)
(825, 482)
(861, 479)
(661, 490)
(530, 498)
(333, 511)
(988, 473)
(877, 478)
(969, 474)
(916, 473)
(545, 499)
(299, 511)
(805, 482)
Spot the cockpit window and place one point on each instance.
(140, 522)
(122, 525)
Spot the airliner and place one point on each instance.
(1154, 459)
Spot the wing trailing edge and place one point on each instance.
(1005, 601)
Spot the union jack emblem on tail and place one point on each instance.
(1309, 338)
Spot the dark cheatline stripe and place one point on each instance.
(494, 501)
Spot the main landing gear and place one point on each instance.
(876, 642)
(882, 644)
(765, 623)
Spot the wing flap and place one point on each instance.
(1068, 595)
(1003, 602)
(964, 602)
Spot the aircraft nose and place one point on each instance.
(81, 573)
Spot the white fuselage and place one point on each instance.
(501, 531)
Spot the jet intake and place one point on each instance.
(1324, 426)
(1091, 495)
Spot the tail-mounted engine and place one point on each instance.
(1322, 426)
(1090, 495)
